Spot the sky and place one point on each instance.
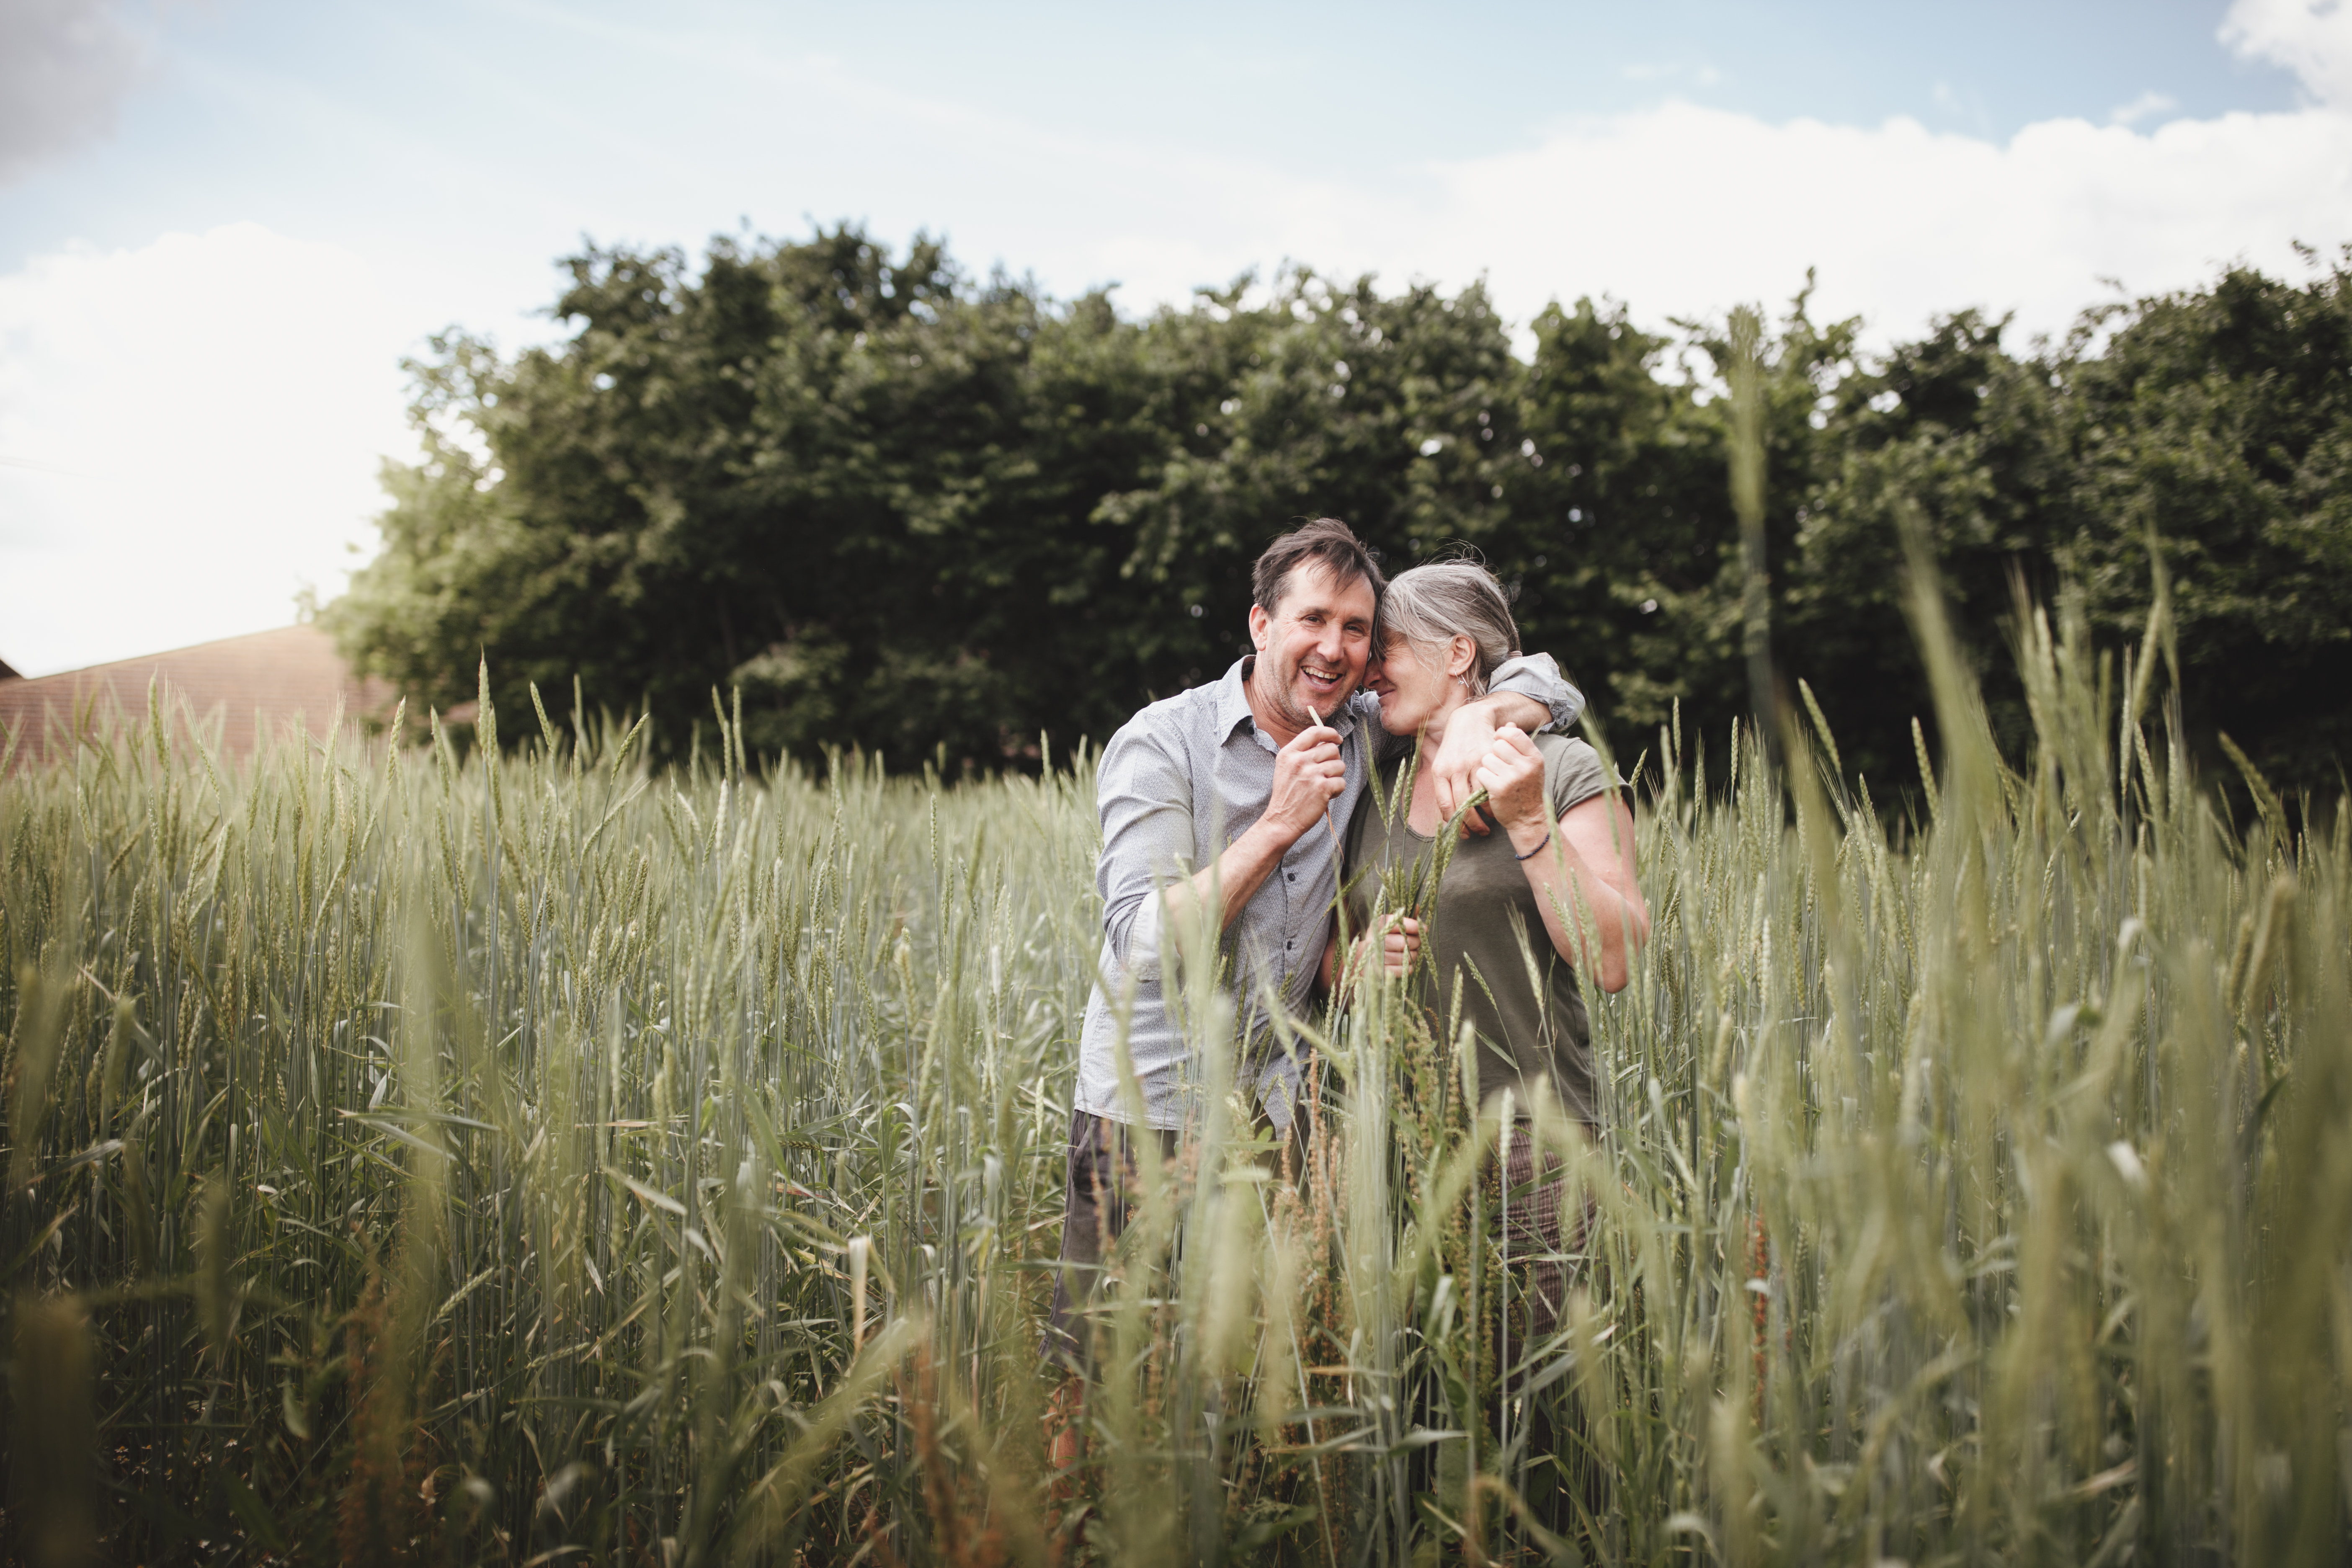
(224, 223)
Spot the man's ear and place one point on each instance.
(1260, 626)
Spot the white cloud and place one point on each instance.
(2312, 38)
(65, 65)
(1678, 209)
(190, 432)
(1684, 210)
(2147, 105)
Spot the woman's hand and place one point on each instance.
(1469, 735)
(1512, 774)
(1400, 947)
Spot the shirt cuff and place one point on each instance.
(1536, 677)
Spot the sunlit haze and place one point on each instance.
(222, 225)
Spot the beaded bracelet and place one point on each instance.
(1539, 848)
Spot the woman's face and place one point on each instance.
(1413, 683)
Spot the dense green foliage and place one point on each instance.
(907, 511)
(530, 1158)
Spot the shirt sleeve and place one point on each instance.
(1536, 676)
(1352, 876)
(1143, 795)
(1573, 770)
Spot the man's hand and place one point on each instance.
(1469, 736)
(1307, 777)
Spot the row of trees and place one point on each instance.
(903, 508)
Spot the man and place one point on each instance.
(1223, 793)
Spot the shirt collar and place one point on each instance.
(1233, 703)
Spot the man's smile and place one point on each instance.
(1311, 652)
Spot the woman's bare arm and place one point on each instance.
(1588, 882)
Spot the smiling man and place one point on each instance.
(1221, 794)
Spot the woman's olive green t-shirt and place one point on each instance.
(1528, 1029)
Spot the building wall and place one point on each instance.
(236, 691)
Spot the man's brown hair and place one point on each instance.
(1327, 540)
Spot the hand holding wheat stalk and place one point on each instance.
(1409, 889)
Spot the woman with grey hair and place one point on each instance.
(1563, 861)
(1520, 913)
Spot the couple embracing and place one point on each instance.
(1223, 793)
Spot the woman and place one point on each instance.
(1555, 882)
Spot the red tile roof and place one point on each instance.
(250, 686)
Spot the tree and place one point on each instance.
(901, 509)
(813, 471)
(1963, 436)
(2218, 422)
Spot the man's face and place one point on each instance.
(1311, 650)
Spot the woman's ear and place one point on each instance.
(1460, 655)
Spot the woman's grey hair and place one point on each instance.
(1430, 606)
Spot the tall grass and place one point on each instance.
(527, 1157)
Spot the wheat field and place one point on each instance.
(529, 1156)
